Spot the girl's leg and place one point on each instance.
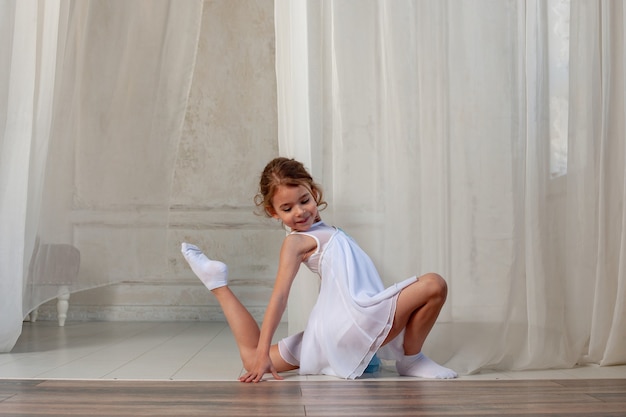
(417, 309)
(246, 330)
(214, 275)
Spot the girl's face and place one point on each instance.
(295, 207)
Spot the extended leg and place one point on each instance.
(214, 275)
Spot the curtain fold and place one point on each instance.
(20, 144)
(446, 146)
(30, 35)
(94, 98)
(597, 163)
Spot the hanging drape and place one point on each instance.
(93, 96)
(482, 140)
(451, 136)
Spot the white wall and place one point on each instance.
(230, 133)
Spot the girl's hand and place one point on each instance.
(261, 367)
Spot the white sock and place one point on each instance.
(423, 367)
(213, 274)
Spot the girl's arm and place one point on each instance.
(294, 250)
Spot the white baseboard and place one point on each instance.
(139, 313)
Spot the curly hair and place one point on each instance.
(289, 172)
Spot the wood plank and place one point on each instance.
(589, 398)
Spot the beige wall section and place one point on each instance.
(230, 132)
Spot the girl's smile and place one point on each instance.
(295, 207)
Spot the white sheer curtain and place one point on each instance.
(596, 186)
(439, 130)
(25, 124)
(92, 101)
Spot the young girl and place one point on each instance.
(354, 316)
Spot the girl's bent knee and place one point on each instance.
(436, 285)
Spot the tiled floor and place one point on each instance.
(172, 351)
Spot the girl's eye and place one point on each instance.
(305, 201)
(287, 210)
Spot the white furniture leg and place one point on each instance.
(55, 266)
(63, 305)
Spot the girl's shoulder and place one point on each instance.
(298, 244)
(321, 233)
(318, 228)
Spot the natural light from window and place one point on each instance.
(558, 59)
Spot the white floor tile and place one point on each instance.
(178, 351)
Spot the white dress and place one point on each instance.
(353, 313)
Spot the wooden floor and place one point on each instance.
(190, 369)
(580, 397)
